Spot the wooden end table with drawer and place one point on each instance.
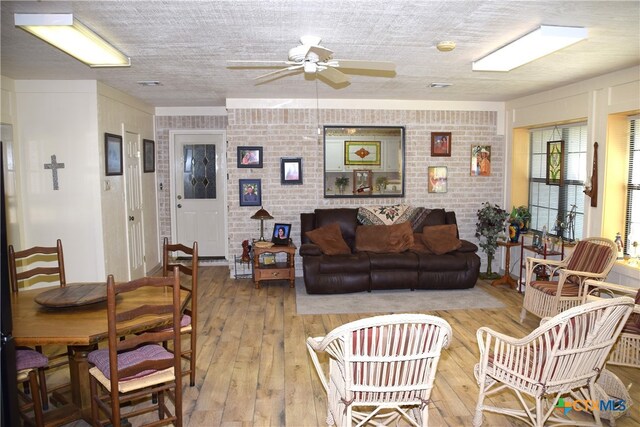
(279, 270)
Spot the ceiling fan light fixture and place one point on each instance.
(149, 83)
(542, 41)
(66, 33)
(446, 46)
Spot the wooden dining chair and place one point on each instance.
(138, 370)
(29, 365)
(40, 264)
(186, 259)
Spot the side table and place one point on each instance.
(277, 270)
(506, 279)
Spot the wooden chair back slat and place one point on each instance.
(25, 265)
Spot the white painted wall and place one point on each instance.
(60, 117)
(8, 118)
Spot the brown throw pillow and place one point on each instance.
(418, 244)
(330, 240)
(441, 239)
(384, 239)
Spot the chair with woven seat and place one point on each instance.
(40, 264)
(626, 352)
(186, 259)
(138, 367)
(560, 359)
(29, 366)
(381, 369)
(592, 258)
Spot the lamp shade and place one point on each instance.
(262, 214)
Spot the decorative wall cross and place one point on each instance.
(54, 166)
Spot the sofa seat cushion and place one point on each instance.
(441, 239)
(403, 261)
(384, 238)
(341, 264)
(329, 239)
(453, 261)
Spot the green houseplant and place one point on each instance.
(491, 221)
(341, 182)
(524, 215)
(381, 183)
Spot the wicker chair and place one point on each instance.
(189, 320)
(381, 369)
(561, 358)
(626, 352)
(592, 258)
(138, 367)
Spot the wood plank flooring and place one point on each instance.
(253, 368)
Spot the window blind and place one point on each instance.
(632, 223)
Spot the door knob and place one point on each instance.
(131, 218)
(179, 205)
(179, 197)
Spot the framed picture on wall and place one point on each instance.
(290, 171)
(480, 160)
(250, 192)
(249, 157)
(148, 155)
(437, 179)
(112, 154)
(440, 144)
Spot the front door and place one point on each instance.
(134, 206)
(199, 190)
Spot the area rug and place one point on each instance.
(392, 301)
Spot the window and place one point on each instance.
(550, 205)
(632, 223)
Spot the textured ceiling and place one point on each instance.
(186, 45)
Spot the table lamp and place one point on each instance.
(262, 214)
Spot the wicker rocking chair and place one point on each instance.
(592, 258)
(560, 359)
(381, 369)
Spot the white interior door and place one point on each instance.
(199, 190)
(135, 231)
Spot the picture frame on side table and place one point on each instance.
(250, 192)
(290, 170)
(437, 179)
(112, 154)
(281, 233)
(148, 155)
(440, 144)
(249, 157)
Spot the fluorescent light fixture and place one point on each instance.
(71, 36)
(440, 85)
(538, 43)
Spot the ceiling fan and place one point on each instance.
(311, 58)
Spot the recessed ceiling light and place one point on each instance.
(446, 46)
(440, 85)
(149, 83)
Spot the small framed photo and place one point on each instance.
(281, 234)
(555, 162)
(250, 192)
(437, 179)
(112, 154)
(480, 160)
(362, 182)
(148, 155)
(440, 144)
(249, 157)
(290, 170)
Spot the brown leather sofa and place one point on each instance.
(367, 271)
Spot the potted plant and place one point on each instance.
(341, 183)
(491, 220)
(524, 215)
(381, 183)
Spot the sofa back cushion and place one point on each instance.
(329, 239)
(345, 217)
(384, 239)
(441, 239)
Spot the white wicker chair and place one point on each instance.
(381, 369)
(592, 258)
(560, 359)
(626, 352)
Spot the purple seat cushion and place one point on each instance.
(100, 358)
(29, 359)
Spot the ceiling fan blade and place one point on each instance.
(362, 65)
(322, 53)
(333, 75)
(278, 72)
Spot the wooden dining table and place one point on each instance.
(81, 327)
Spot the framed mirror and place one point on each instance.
(364, 161)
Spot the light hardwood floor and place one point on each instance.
(253, 368)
